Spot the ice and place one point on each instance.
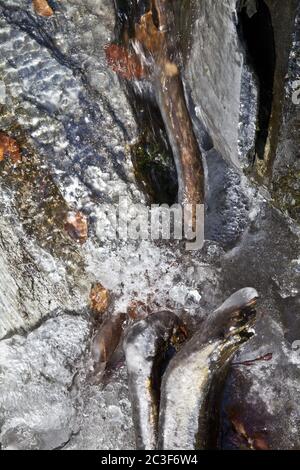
(36, 384)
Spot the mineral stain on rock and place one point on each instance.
(138, 310)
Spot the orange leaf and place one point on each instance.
(42, 8)
(260, 443)
(239, 427)
(138, 310)
(99, 299)
(10, 148)
(124, 63)
(107, 339)
(149, 35)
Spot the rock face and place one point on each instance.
(215, 63)
(54, 83)
(49, 99)
(285, 171)
(247, 100)
(70, 116)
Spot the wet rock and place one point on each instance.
(148, 346)
(67, 110)
(105, 417)
(286, 167)
(285, 24)
(229, 201)
(246, 96)
(189, 410)
(265, 393)
(213, 72)
(57, 110)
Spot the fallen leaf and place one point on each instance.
(77, 226)
(137, 310)
(123, 62)
(152, 39)
(260, 443)
(99, 299)
(42, 8)
(255, 441)
(106, 340)
(239, 427)
(10, 148)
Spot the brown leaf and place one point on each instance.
(255, 441)
(124, 63)
(9, 148)
(42, 8)
(107, 339)
(239, 427)
(77, 226)
(152, 39)
(138, 310)
(99, 299)
(260, 443)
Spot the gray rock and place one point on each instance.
(214, 71)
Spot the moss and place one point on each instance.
(154, 169)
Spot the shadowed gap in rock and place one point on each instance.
(256, 30)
